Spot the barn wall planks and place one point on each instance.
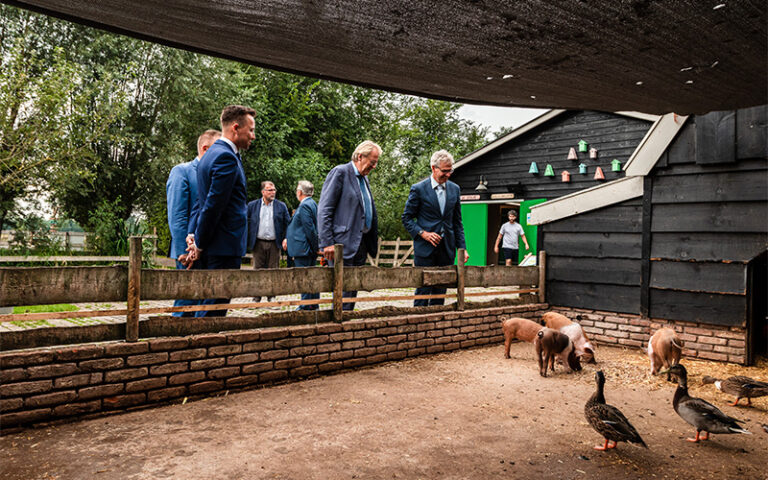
(714, 277)
(613, 298)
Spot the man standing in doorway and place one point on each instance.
(267, 221)
(219, 237)
(181, 194)
(432, 217)
(301, 236)
(509, 233)
(347, 214)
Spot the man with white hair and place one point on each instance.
(432, 216)
(301, 235)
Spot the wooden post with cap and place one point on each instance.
(338, 282)
(461, 270)
(134, 289)
(542, 276)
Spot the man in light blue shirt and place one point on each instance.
(181, 193)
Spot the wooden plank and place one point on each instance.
(616, 218)
(752, 132)
(716, 137)
(731, 246)
(373, 278)
(612, 298)
(683, 149)
(706, 308)
(542, 284)
(712, 277)
(747, 217)
(49, 285)
(405, 257)
(711, 187)
(645, 261)
(338, 282)
(614, 271)
(751, 164)
(501, 276)
(59, 259)
(134, 290)
(593, 244)
(461, 281)
(439, 277)
(654, 144)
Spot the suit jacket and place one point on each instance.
(280, 218)
(181, 194)
(341, 214)
(302, 231)
(422, 212)
(220, 222)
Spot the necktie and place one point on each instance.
(440, 190)
(366, 203)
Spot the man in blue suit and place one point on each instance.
(181, 193)
(432, 217)
(346, 213)
(267, 221)
(301, 237)
(220, 225)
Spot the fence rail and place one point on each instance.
(49, 285)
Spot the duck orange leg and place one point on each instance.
(695, 440)
(706, 436)
(737, 402)
(605, 446)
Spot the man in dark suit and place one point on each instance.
(301, 237)
(432, 217)
(267, 221)
(218, 230)
(346, 213)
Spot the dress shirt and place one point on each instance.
(266, 221)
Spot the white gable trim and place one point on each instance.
(586, 200)
(654, 144)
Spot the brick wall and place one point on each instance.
(710, 342)
(47, 384)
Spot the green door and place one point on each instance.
(531, 231)
(474, 217)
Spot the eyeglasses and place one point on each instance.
(270, 189)
(444, 170)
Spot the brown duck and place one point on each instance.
(740, 387)
(608, 420)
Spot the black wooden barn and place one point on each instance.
(679, 235)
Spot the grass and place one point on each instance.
(59, 307)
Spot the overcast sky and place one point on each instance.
(497, 117)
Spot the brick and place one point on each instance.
(631, 328)
(363, 334)
(415, 352)
(451, 331)
(121, 349)
(315, 339)
(376, 359)
(618, 334)
(24, 417)
(243, 358)
(124, 401)
(721, 357)
(243, 337)
(442, 340)
(288, 363)
(101, 364)
(54, 370)
(642, 337)
(274, 333)
(78, 380)
(604, 339)
(168, 368)
(257, 368)
(207, 340)
(364, 352)
(386, 348)
(712, 340)
(146, 384)
(258, 346)
(604, 325)
(313, 359)
(406, 329)
(406, 345)
(425, 342)
(146, 359)
(166, 393)
(630, 342)
(416, 336)
(100, 391)
(188, 377)
(183, 355)
(451, 346)
(458, 338)
(329, 328)
(8, 404)
(396, 338)
(207, 363)
(353, 344)
(166, 344)
(699, 346)
(48, 399)
(698, 331)
(468, 343)
(226, 372)
(81, 408)
(273, 376)
(435, 348)
(382, 332)
(25, 388)
(343, 355)
(123, 375)
(731, 350)
(304, 371)
(343, 336)
(354, 362)
(302, 331)
(13, 375)
(241, 381)
(222, 350)
(396, 355)
(274, 355)
(423, 327)
(435, 333)
(468, 329)
(21, 359)
(443, 324)
(328, 347)
(330, 367)
(79, 353)
(288, 343)
(737, 343)
(303, 351)
(740, 359)
(686, 337)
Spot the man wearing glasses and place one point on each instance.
(267, 222)
(432, 217)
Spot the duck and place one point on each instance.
(608, 420)
(740, 387)
(701, 414)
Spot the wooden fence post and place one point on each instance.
(460, 279)
(338, 281)
(134, 288)
(542, 276)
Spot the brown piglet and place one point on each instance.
(584, 348)
(551, 343)
(518, 329)
(664, 349)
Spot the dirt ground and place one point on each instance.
(462, 415)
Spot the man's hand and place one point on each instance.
(193, 255)
(431, 237)
(496, 249)
(328, 252)
(466, 256)
(285, 244)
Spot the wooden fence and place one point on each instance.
(49, 285)
(393, 253)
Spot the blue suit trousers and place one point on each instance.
(439, 258)
(184, 302)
